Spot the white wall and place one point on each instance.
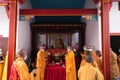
(114, 18)
(93, 30)
(75, 38)
(23, 39)
(4, 22)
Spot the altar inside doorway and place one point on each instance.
(56, 38)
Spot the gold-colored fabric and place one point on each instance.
(70, 66)
(94, 64)
(114, 65)
(119, 63)
(1, 68)
(83, 55)
(32, 76)
(4, 76)
(41, 64)
(99, 63)
(88, 72)
(22, 69)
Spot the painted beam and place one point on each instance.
(12, 35)
(105, 39)
(57, 12)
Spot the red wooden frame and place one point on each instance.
(114, 34)
(12, 34)
(57, 12)
(105, 39)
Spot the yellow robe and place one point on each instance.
(99, 63)
(4, 76)
(21, 68)
(114, 65)
(1, 68)
(88, 72)
(94, 64)
(41, 64)
(70, 66)
(83, 62)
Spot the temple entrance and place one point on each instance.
(56, 36)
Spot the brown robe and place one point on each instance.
(114, 65)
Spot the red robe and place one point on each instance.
(14, 74)
(19, 70)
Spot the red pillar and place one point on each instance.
(105, 38)
(12, 33)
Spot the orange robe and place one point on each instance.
(1, 68)
(99, 63)
(114, 65)
(41, 64)
(4, 75)
(83, 62)
(94, 64)
(70, 66)
(88, 72)
(19, 70)
(83, 55)
(119, 62)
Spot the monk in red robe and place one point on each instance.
(19, 69)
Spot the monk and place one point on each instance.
(83, 62)
(119, 62)
(99, 60)
(88, 72)
(114, 65)
(5, 70)
(70, 64)
(1, 64)
(41, 63)
(84, 52)
(19, 69)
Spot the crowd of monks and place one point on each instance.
(90, 67)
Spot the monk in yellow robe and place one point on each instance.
(1, 68)
(99, 60)
(83, 62)
(5, 70)
(41, 63)
(119, 62)
(114, 65)
(70, 65)
(19, 69)
(1, 64)
(84, 52)
(88, 72)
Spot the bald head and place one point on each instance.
(21, 53)
(88, 57)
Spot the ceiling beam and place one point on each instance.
(57, 12)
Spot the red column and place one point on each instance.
(12, 33)
(105, 39)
